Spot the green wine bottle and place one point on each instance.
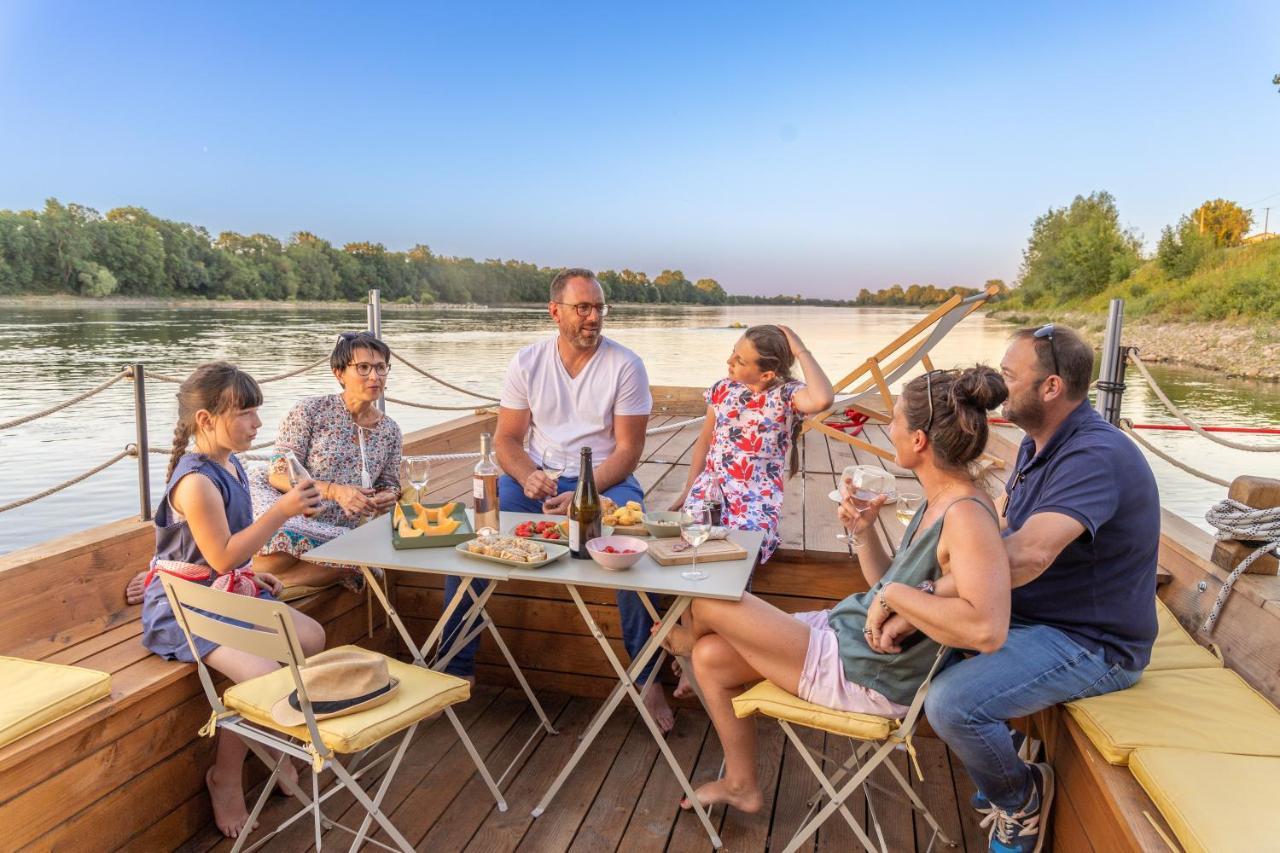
(584, 510)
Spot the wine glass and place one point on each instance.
(863, 484)
(695, 527)
(417, 470)
(908, 505)
(554, 462)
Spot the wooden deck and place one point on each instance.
(623, 796)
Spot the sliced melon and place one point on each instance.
(397, 515)
(444, 528)
(407, 531)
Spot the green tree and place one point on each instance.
(1225, 221)
(1077, 251)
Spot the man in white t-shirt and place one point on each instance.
(573, 390)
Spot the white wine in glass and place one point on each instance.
(554, 462)
(695, 527)
(908, 505)
(863, 484)
(298, 474)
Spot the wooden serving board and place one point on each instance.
(629, 530)
(715, 550)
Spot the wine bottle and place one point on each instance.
(714, 500)
(484, 488)
(584, 510)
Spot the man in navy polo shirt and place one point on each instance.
(1082, 518)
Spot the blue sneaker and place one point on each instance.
(1024, 831)
(977, 801)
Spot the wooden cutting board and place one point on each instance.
(631, 530)
(716, 550)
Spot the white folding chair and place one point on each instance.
(245, 710)
(877, 737)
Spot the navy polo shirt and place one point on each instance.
(1101, 589)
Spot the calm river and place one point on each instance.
(54, 353)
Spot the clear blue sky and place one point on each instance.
(813, 149)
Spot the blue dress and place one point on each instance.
(160, 630)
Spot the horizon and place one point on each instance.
(820, 151)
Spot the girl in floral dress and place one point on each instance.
(753, 422)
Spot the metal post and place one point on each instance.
(374, 314)
(1111, 374)
(140, 431)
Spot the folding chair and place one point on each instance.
(878, 736)
(265, 629)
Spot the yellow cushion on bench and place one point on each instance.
(772, 701)
(420, 694)
(35, 693)
(1175, 648)
(1212, 710)
(1213, 802)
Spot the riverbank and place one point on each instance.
(68, 301)
(1243, 350)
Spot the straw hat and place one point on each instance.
(338, 682)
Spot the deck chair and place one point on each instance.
(265, 629)
(871, 396)
(876, 737)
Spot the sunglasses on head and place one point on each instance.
(928, 382)
(1045, 332)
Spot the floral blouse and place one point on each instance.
(748, 456)
(324, 437)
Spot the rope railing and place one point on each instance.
(131, 450)
(97, 389)
(1180, 415)
(1127, 426)
(435, 378)
(414, 405)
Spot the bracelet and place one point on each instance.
(883, 603)
(925, 586)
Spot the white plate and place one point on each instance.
(554, 552)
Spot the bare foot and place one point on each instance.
(229, 811)
(684, 689)
(745, 799)
(679, 641)
(134, 592)
(288, 773)
(656, 701)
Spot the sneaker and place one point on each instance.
(1024, 831)
(978, 801)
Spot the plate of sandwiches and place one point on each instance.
(513, 551)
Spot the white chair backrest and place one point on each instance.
(270, 633)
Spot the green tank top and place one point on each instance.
(897, 677)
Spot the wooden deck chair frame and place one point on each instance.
(270, 634)
(861, 767)
(872, 396)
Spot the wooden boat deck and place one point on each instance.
(622, 796)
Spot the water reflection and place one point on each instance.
(55, 353)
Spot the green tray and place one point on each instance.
(464, 533)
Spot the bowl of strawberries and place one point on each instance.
(617, 553)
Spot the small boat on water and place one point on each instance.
(1172, 764)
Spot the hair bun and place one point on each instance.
(979, 387)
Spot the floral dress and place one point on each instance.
(748, 456)
(326, 440)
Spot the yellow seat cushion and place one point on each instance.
(1211, 710)
(421, 693)
(1213, 802)
(35, 694)
(1175, 648)
(772, 701)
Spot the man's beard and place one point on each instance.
(581, 340)
(1026, 412)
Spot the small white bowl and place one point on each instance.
(617, 562)
(670, 527)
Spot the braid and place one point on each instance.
(797, 424)
(181, 435)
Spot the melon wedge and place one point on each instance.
(444, 528)
(407, 531)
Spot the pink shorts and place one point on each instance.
(822, 680)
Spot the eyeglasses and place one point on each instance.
(928, 384)
(364, 368)
(584, 309)
(1043, 333)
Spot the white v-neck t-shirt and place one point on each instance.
(576, 412)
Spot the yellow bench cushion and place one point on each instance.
(1211, 710)
(1213, 802)
(35, 694)
(772, 701)
(1175, 648)
(420, 694)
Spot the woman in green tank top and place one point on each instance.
(840, 658)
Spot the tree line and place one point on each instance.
(74, 249)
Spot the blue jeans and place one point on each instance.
(636, 622)
(971, 702)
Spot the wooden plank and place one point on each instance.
(1069, 835)
(974, 836)
(656, 803)
(894, 813)
(604, 824)
(795, 785)
(835, 834)
(937, 791)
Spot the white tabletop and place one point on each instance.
(726, 579)
(370, 545)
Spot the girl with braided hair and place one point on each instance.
(206, 533)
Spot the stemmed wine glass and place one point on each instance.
(863, 484)
(695, 527)
(554, 462)
(417, 470)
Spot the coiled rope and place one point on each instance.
(97, 389)
(1180, 415)
(131, 450)
(1127, 426)
(178, 380)
(435, 378)
(1232, 519)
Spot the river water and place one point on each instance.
(54, 353)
